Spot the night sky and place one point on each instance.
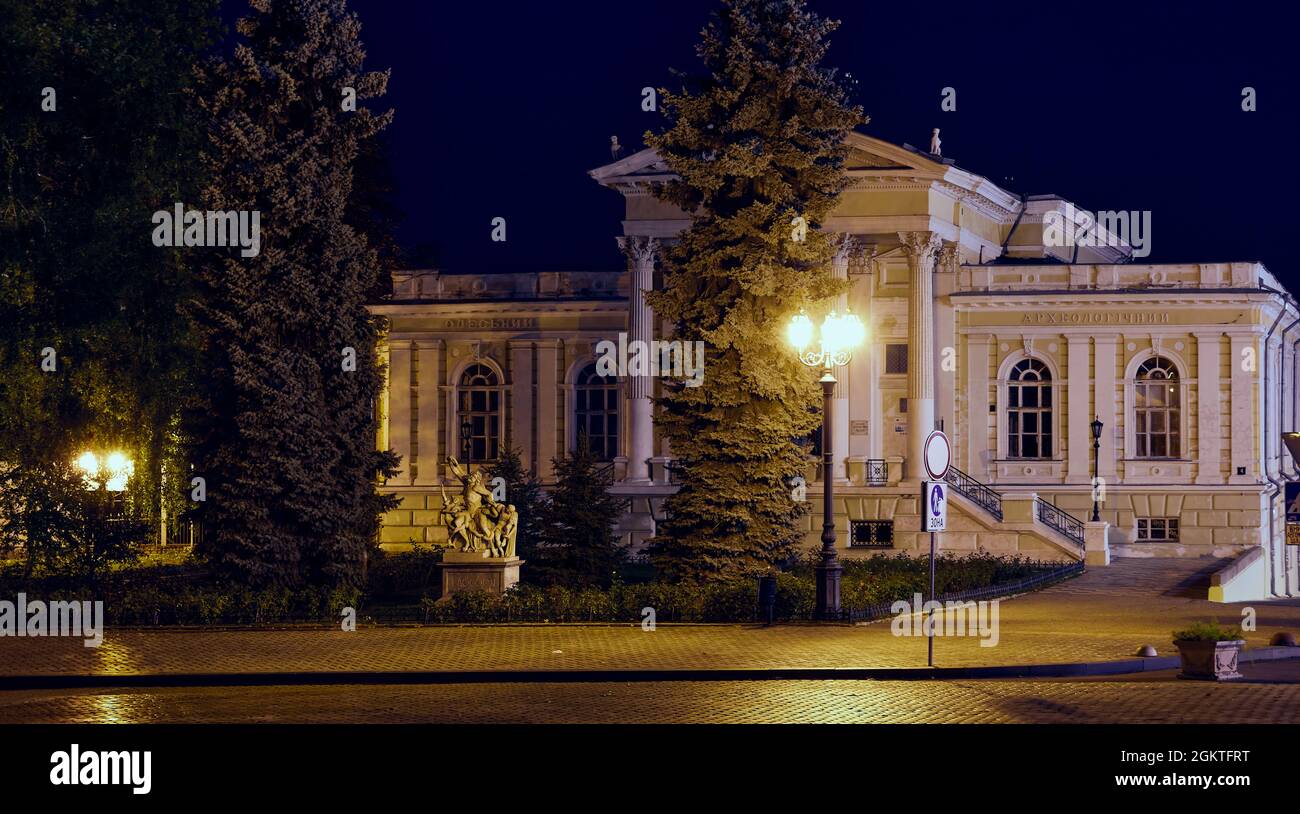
(502, 108)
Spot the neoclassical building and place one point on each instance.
(978, 324)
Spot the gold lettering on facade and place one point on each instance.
(1094, 318)
(514, 323)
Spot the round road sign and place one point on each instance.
(937, 455)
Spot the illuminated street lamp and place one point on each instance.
(115, 465)
(831, 346)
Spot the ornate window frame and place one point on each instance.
(572, 386)
(1003, 383)
(453, 412)
(1130, 410)
(575, 369)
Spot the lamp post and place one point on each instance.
(834, 345)
(466, 434)
(1096, 450)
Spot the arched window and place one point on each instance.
(1029, 410)
(596, 412)
(480, 414)
(1157, 409)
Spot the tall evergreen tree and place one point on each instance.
(287, 432)
(756, 140)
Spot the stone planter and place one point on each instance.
(1207, 660)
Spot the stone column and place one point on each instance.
(1103, 377)
(921, 248)
(945, 338)
(977, 404)
(426, 443)
(876, 404)
(521, 401)
(399, 406)
(1079, 403)
(1245, 360)
(549, 354)
(845, 246)
(641, 253)
(1209, 422)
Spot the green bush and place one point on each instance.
(1208, 632)
(405, 586)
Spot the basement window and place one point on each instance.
(1157, 529)
(871, 534)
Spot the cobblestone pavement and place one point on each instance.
(1060, 701)
(1103, 615)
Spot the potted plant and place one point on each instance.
(1209, 651)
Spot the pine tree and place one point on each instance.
(286, 435)
(578, 544)
(755, 140)
(524, 492)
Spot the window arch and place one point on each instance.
(1029, 410)
(595, 411)
(479, 403)
(1157, 409)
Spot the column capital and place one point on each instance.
(640, 249)
(949, 256)
(921, 246)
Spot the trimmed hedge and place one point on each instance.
(404, 587)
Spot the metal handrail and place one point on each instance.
(971, 489)
(1062, 521)
(877, 472)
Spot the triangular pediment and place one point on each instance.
(866, 154)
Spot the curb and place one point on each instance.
(376, 677)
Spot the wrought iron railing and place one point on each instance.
(1063, 522)
(877, 472)
(974, 491)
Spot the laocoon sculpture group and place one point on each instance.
(475, 520)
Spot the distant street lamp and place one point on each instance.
(115, 465)
(831, 346)
(1096, 449)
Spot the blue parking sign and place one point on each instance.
(1293, 502)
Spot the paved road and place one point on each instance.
(1152, 699)
(1103, 615)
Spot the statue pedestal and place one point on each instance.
(466, 572)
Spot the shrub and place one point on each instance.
(1208, 632)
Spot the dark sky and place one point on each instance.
(501, 108)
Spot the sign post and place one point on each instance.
(1293, 513)
(934, 512)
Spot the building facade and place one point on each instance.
(979, 324)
